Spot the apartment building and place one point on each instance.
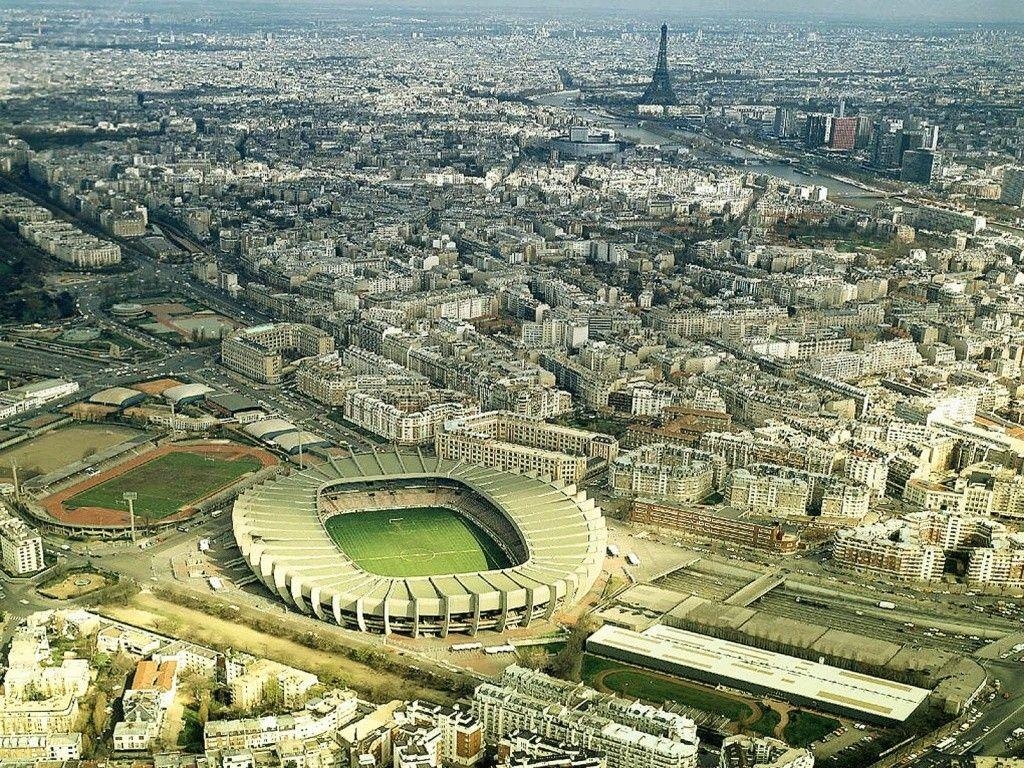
(430, 734)
(21, 546)
(666, 471)
(743, 751)
(319, 717)
(40, 699)
(526, 749)
(406, 415)
(629, 734)
(1001, 564)
(516, 443)
(717, 525)
(766, 494)
(259, 353)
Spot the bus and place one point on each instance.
(466, 647)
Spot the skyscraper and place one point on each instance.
(1013, 187)
(818, 131)
(920, 166)
(844, 133)
(885, 144)
(785, 123)
(660, 92)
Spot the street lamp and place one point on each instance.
(130, 497)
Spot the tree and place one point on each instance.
(533, 657)
(86, 745)
(99, 713)
(204, 708)
(568, 662)
(273, 695)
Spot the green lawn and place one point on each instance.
(634, 682)
(165, 484)
(806, 727)
(419, 541)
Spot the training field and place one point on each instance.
(419, 541)
(56, 449)
(166, 483)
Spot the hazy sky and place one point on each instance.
(900, 11)
(881, 10)
(811, 10)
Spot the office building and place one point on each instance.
(718, 525)
(818, 131)
(920, 166)
(785, 125)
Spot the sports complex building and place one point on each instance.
(714, 661)
(396, 542)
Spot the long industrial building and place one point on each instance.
(714, 661)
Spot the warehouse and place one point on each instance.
(799, 681)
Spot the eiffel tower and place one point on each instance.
(660, 90)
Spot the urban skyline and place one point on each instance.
(504, 385)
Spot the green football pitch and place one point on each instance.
(419, 541)
(165, 484)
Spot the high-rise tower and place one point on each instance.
(660, 90)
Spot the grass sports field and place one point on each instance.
(166, 484)
(634, 682)
(420, 541)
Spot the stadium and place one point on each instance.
(394, 542)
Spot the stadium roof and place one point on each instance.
(186, 392)
(280, 530)
(290, 441)
(118, 397)
(750, 667)
(268, 429)
(233, 403)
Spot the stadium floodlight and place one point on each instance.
(130, 497)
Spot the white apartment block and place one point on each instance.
(21, 547)
(406, 415)
(628, 734)
(258, 353)
(40, 698)
(668, 472)
(515, 443)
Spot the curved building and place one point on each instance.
(554, 538)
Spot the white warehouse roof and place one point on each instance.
(752, 668)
